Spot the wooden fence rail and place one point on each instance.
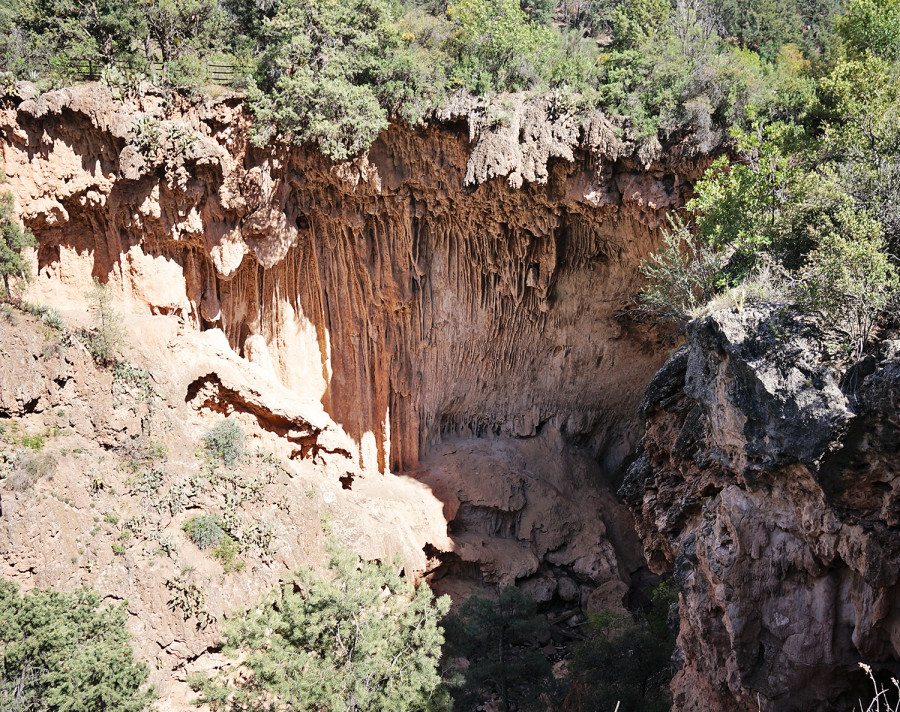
(91, 70)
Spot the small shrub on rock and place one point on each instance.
(205, 531)
(683, 275)
(24, 469)
(106, 339)
(225, 442)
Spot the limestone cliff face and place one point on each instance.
(461, 281)
(772, 493)
(414, 292)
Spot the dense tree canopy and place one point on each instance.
(360, 638)
(333, 73)
(64, 651)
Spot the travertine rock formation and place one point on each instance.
(434, 330)
(410, 294)
(774, 497)
(453, 283)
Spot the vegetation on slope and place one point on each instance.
(64, 651)
(334, 72)
(359, 638)
(806, 212)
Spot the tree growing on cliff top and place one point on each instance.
(360, 639)
(849, 278)
(331, 74)
(13, 240)
(64, 652)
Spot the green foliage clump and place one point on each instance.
(64, 651)
(849, 278)
(625, 662)
(872, 26)
(359, 638)
(768, 25)
(13, 240)
(493, 636)
(48, 315)
(813, 202)
(683, 275)
(330, 74)
(130, 376)
(106, 339)
(205, 531)
(225, 443)
(496, 47)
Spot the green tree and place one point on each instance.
(65, 652)
(177, 28)
(624, 662)
(326, 73)
(872, 26)
(13, 239)
(636, 23)
(738, 207)
(361, 638)
(539, 11)
(492, 635)
(103, 30)
(849, 278)
(862, 136)
(496, 47)
(106, 339)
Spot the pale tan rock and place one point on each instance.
(428, 335)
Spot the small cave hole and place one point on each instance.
(346, 481)
(302, 222)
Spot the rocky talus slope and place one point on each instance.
(770, 488)
(427, 342)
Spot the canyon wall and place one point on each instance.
(441, 327)
(768, 485)
(459, 279)
(453, 303)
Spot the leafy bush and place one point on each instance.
(739, 207)
(872, 26)
(359, 638)
(64, 651)
(322, 74)
(13, 240)
(205, 531)
(849, 278)
(496, 47)
(225, 442)
(683, 275)
(211, 532)
(106, 339)
(492, 635)
(227, 552)
(48, 315)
